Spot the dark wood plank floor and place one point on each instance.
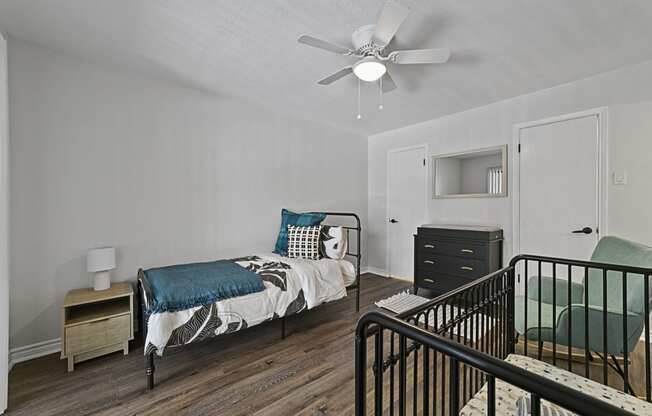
(253, 372)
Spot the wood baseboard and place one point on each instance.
(29, 352)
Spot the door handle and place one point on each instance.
(467, 268)
(585, 230)
(429, 262)
(393, 221)
(428, 246)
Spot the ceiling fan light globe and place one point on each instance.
(369, 69)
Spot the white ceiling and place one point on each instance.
(248, 48)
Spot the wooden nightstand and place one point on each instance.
(96, 323)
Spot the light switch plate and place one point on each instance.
(620, 177)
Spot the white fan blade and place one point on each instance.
(390, 19)
(322, 44)
(339, 74)
(420, 56)
(388, 83)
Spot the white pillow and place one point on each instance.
(333, 243)
(303, 242)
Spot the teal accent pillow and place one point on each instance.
(308, 219)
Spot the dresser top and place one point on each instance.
(482, 228)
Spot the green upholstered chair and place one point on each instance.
(612, 250)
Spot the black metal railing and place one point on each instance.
(410, 374)
(434, 358)
(458, 355)
(600, 313)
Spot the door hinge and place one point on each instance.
(519, 148)
(424, 162)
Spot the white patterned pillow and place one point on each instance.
(333, 244)
(303, 242)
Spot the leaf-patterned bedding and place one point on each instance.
(291, 286)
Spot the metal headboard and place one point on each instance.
(358, 248)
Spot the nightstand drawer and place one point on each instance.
(98, 334)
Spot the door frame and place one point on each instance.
(602, 179)
(4, 224)
(423, 146)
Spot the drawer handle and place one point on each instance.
(428, 246)
(467, 268)
(466, 250)
(429, 280)
(429, 262)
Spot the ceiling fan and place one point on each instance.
(369, 43)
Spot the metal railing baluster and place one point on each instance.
(378, 390)
(525, 302)
(646, 328)
(570, 319)
(625, 353)
(605, 373)
(587, 353)
(539, 342)
(491, 395)
(402, 369)
(454, 386)
(554, 309)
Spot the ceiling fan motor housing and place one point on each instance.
(362, 39)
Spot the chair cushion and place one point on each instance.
(533, 318)
(615, 250)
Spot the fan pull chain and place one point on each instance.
(380, 93)
(359, 115)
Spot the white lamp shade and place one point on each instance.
(100, 259)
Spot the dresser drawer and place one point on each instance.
(98, 334)
(439, 282)
(452, 248)
(470, 268)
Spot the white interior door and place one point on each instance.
(4, 248)
(559, 187)
(406, 209)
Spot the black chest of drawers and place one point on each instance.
(448, 256)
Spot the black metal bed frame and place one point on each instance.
(463, 348)
(144, 289)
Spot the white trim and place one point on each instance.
(29, 352)
(426, 193)
(4, 225)
(601, 181)
(374, 270)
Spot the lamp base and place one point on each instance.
(102, 281)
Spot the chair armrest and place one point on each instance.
(576, 315)
(561, 291)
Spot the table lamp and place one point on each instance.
(100, 261)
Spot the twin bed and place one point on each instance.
(289, 286)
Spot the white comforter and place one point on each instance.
(291, 285)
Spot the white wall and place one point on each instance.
(164, 174)
(4, 225)
(624, 91)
